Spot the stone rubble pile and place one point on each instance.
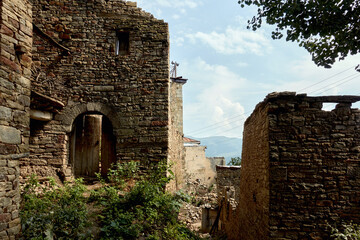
(201, 196)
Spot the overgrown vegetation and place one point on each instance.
(347, 231)
(53, 212)
(145, 210)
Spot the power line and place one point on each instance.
(221, 123)
(327, 78)
(334, 84)
(341, 82)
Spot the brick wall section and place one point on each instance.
(15, 58)
(132, 90)
(176, 142)
(313, 167)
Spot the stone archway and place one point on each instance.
(110, 123)
(92, 145)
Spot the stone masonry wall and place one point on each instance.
(309, 173)
(75, 62)
(176, 143)
(228, 190)
(253, 211)
(228, 181)
(15, 58)
(314, 165)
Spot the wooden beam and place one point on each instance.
(51, 40)
(54, 102)
(40, 115)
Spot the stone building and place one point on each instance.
(100, 87)
(83, 84)
(15, 74)
(197, 165)
(300, 168)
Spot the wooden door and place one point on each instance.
(108, 142)
(87, 146)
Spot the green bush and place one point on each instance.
(145, 211)
(347, 231)
(121, 172)
(58, 213)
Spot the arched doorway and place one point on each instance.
(92, 145)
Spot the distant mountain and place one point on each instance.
(219, 146)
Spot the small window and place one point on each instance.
(122, 43)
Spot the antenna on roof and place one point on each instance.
(173, 69)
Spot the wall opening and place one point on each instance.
(92, 145)
(122, 45)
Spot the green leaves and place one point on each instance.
(312, 23)
(235, 161)
(54, 212)
(146, 210)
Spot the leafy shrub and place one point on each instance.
(146, 211)
(58, 213)
(121, 172)
(346, 232)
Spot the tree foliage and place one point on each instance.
(329, 30)
(235, 161)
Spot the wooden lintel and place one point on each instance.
(51, 40)
(41, 115)
(52, 101)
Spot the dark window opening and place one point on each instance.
(122, 43)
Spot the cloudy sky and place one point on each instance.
(230, 69)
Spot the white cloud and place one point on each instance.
(242, 64)
(234, 41)
(178, 41)
(181, 6)
(177, 4)
(215, 103)
(307, 78)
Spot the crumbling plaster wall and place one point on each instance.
(15, 59)
(197, 166)
(308, 175)
(132, 90)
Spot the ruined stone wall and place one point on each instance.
(314, 165)
(75, 62)
(15, 58)
(176, 143)
(228, 181)
(214, 161)
(307, 173)
(253, 211)
(197, 166)
(228, 190)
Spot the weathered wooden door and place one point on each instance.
(87, 145)
(107, 146)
